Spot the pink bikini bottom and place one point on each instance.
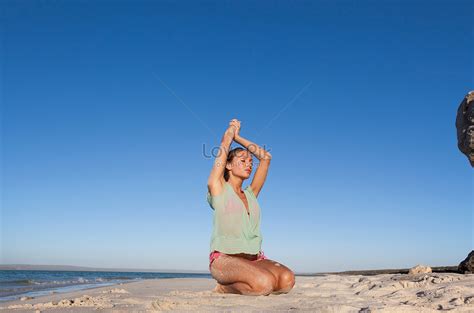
(215, 254)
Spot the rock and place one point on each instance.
(26, 298)
(465, 126)
(419, 269)
(467, 266)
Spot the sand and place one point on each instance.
(430, 292)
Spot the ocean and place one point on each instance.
(15, 284)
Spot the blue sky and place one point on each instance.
(110, 111)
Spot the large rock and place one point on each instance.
(467, 266)
(419, 269)
(465, 126)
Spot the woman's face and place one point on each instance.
(242, 164)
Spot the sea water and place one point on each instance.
(15, 283)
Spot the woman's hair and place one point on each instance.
(230, 157)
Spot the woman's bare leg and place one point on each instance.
(285, 277)
(242, 276)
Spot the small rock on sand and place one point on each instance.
(26, 298)
(419, 269)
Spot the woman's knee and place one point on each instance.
(263, 283)
(286, 281)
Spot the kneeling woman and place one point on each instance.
(236, 260)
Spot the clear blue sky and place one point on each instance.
(110, 111)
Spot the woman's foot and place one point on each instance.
(225, 289)
(219, 288)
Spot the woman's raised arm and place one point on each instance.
(215, 182)
(263, 156)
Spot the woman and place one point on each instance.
(236, 260)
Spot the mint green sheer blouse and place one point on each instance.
(234, 231)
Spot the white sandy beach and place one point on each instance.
(330, 293)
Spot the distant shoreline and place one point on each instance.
(435, 269)
(29, 267)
